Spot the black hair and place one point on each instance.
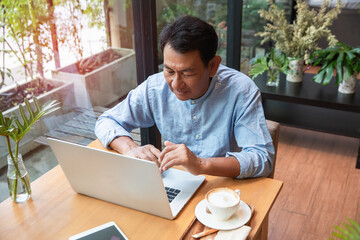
(189, 33)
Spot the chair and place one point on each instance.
(274, 129)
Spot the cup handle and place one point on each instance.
(238, 192)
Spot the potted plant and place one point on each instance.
(12, 128)
(298, 39)
(12, 96)
(344, 60)
(100, 79)
(273, 62)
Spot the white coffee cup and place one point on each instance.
(223, 202)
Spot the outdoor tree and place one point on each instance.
(23, 20)
(35, 30)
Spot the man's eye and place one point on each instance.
(170, 72)
(188, 75)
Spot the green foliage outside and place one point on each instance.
(251, 17)
(30, 36)
(24, 21)
(218, 18)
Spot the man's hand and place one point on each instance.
(179, 154)
(147, 152)
(127, 146)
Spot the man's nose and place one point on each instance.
(177, 81)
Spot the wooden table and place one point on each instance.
(55, 211)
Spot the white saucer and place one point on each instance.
(241, 217)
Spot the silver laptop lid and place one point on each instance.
(123, 180)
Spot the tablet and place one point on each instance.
(107, 231)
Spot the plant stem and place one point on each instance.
(22, 178)
(272, 76)
(9, 146)
(16, 149)
(17, 171)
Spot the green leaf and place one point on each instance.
(357, 66)
(318, 61)
(285, 68)
(329, 73)
(7, 125)
(355, 224)
(343, 46)
(342, 230)
(348, 71)
(331, 56)
(278, 59)
(256, 59)
(322, 52)
(28, 122)
(351, 231)
(340, 58)
(355, 50)
(338, 235)
(348, 231)
(350, 55)
(318, 78)
(258, 69)
(339, 69)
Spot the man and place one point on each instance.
(210, 116)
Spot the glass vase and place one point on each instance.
(295, 73)
(18, 179)
(273, 77)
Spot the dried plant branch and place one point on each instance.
(299, 39)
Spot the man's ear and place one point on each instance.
(214, 65)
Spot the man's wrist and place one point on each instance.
(203, 166)
(123, 144)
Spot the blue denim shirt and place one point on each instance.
(228, 120)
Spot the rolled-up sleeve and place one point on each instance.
(257, 155)
(133, 112)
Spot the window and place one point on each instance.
(214, 12)
(49, 40)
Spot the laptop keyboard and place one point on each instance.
(171, 193)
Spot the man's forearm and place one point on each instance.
(123, 144)
(221, 166)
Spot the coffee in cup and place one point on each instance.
(223, 202)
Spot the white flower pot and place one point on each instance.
(295, 73)
(348, 85)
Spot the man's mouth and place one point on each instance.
(180, 92)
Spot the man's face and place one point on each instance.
(186, 74)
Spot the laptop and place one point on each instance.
(124, 180)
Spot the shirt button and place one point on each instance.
(197, 136)
(192, 102)
(195, 117)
